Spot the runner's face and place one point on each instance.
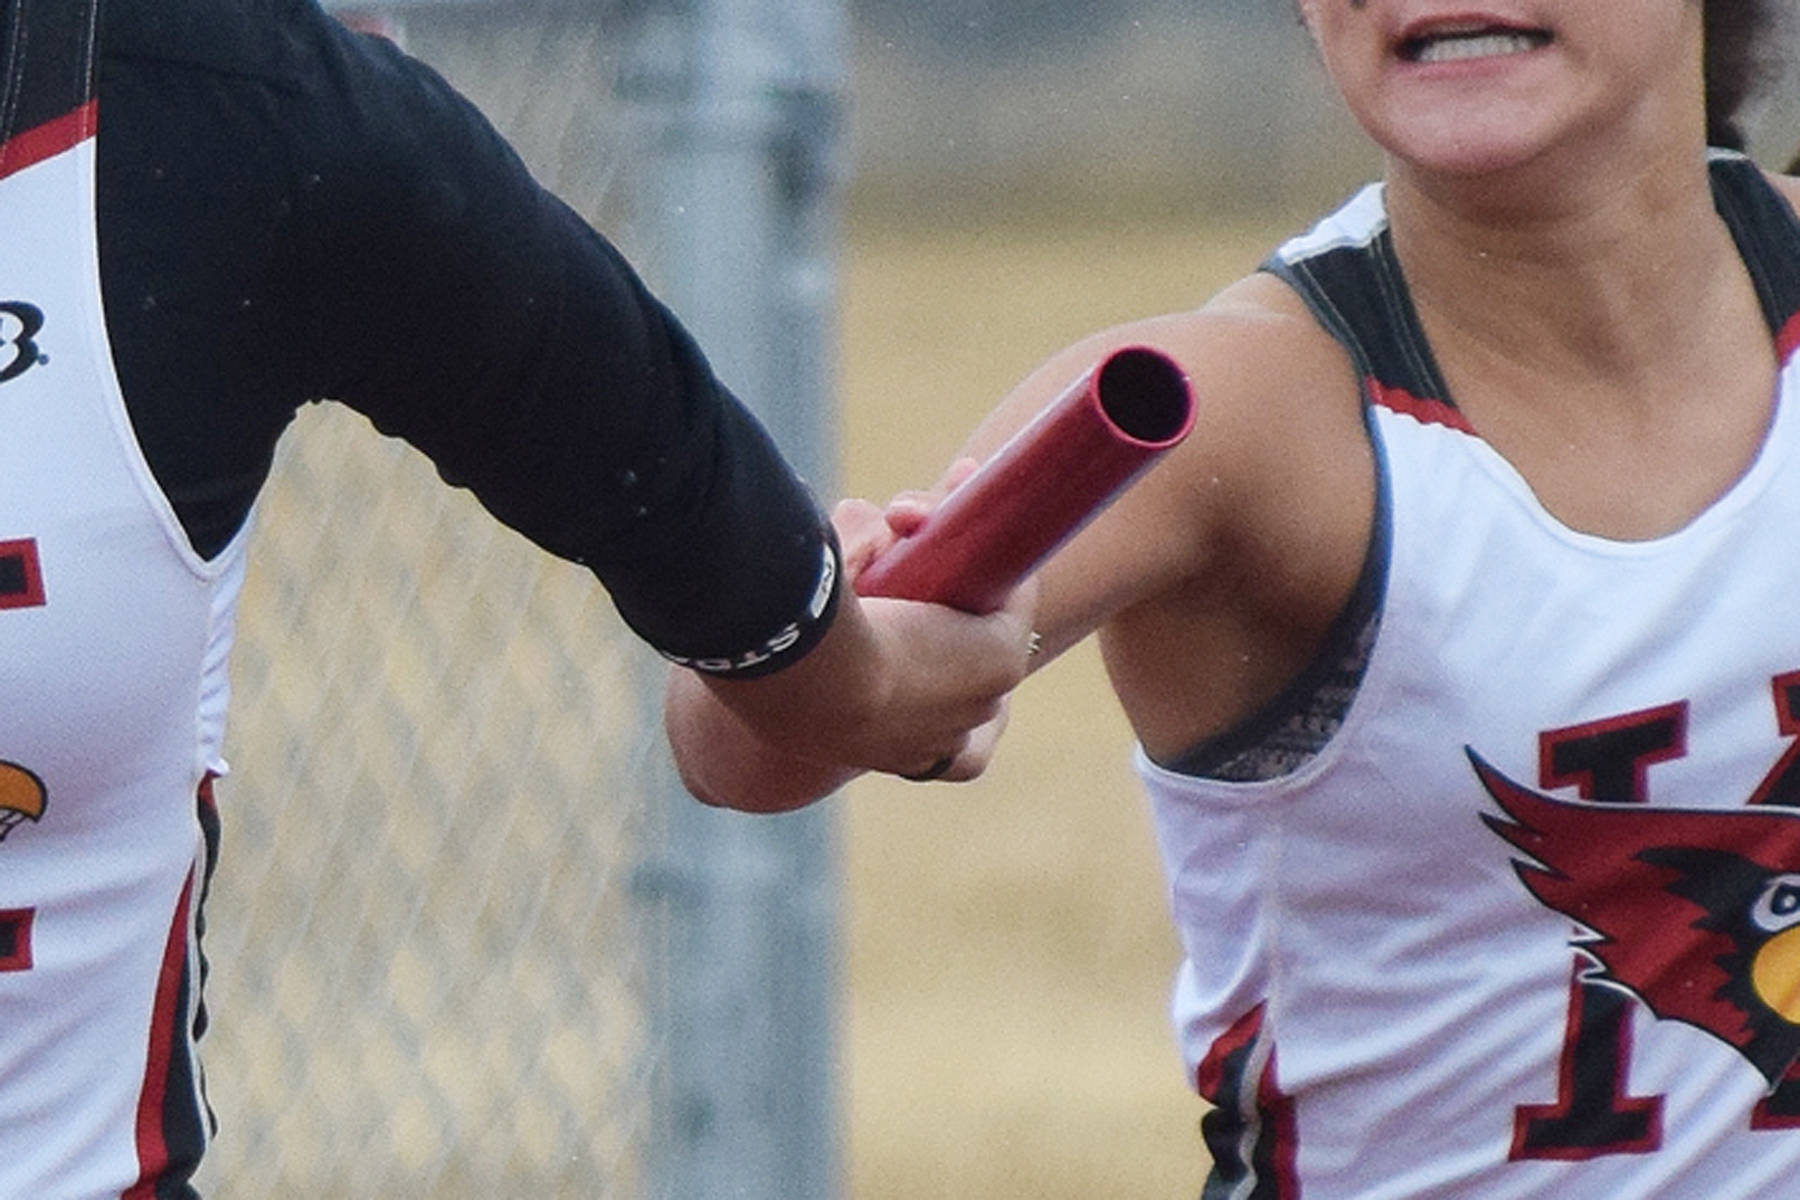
(1467, 86)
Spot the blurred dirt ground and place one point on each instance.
(1006, 948)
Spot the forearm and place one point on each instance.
(782, 741)
(725, 763)
(894, 686)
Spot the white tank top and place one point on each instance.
(113, 641)
(1520, 927)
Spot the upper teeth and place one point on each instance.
(1475, 45)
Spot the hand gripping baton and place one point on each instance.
(1042, 486)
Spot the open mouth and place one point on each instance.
(1454, 45)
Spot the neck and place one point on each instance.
(1607, 342)
(1596, 271)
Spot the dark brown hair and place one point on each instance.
(1739, 35)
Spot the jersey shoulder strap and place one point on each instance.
(1346, 271)
(1768, 236)
(47, 54)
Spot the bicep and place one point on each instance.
(467, 310)
(1272, 392)
(1156, 531)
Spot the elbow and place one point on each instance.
(722, 764)
(761, 782)
(762, 792)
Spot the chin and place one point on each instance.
(1471, 160)
(1469, 148)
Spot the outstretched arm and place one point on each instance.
(919, 690)
(1198, 574)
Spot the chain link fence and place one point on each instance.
(440, 930)
(431, 975)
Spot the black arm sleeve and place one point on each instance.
(291, 212)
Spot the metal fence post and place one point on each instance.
(734, 213)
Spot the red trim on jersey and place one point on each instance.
(1278, 1116)
(152, 1146)
(18, 920)
(1209, 1076)
(47, 140)
(1426, 412)
(31, 574)
(1788, 340)
(1276, 1153)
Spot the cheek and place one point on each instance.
(1353, 64)
(1649, 35)
(1342, 32)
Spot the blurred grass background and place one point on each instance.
(1007, 952)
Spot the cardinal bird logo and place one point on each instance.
(22, 797)
(1694, 912)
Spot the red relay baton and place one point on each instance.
(1042, 486)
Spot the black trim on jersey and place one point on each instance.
(189, 1124)
(1767, 233)
(1225, 1130)
(1357, 292)
(186, 1119)
(1266, 737)
(56, 77)
(183, 1131)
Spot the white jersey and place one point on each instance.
(1528, 923)
(113, 636)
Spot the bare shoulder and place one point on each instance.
(1237, 540)
(1229, 562)
(1250, 352)
(1276, 402)
(1281, 410)
(1288, 449)
(1259, 352)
